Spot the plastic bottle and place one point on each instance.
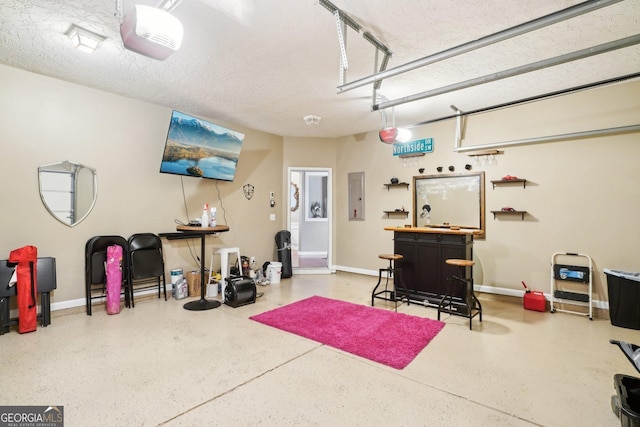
(212, 217)
(204, 221)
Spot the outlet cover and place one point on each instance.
(272, 217)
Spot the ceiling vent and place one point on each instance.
(151, 32)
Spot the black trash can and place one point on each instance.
(283, 244)
(626, 402)
(624, 298)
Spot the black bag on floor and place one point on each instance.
(283, 244)
(239, 290)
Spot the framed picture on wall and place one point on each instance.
(316, 196)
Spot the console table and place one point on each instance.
(191, 232)
(424, 251)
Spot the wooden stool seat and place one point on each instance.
(391, 271)
(460, 262)
(390, 257)
(468, 305)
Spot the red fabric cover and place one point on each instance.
(114, 278)
(27, 260)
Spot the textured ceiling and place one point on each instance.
(265, 64)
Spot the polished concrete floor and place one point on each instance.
(158, 364)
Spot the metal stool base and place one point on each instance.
(399, 291)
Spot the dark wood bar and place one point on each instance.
(424, 251)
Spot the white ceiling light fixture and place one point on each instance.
(312, 119)
(83, 39)
(169, 5)
(152, 32)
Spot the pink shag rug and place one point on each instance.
(390, 338)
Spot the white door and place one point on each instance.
(309, 220)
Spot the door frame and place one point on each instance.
(329, 269)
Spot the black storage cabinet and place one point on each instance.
(283, 245)
(624, 298)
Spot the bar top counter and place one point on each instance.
(436, 229)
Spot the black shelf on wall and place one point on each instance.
(509, 181)
(397, 212)
(523, 213)
(398, 184)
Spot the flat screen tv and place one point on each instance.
(201, 149)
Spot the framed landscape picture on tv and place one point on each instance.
(198, 148)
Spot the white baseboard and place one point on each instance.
(356, 270)
(312, 254)
(478, 288)
(62, 305)
(313, 271)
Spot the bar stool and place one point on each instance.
(224, 266)
(466, 305)
(390, 271)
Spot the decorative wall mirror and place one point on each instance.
(68, 191)
(449, 200)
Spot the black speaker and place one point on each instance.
(239, 291)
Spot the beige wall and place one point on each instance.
(46, 120)
(582, 195)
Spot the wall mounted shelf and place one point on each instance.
(403, 212)
(522, 213)
(509, 181)
(399, 184)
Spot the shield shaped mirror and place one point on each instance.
(68, 190)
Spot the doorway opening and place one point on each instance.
(309, 219)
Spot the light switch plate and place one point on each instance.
(272, 217)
